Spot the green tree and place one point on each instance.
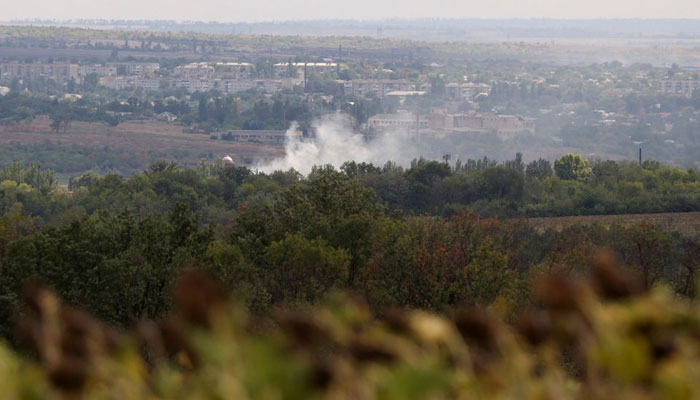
(300, 271)
(486, 277)
(572, 167)
(538, 169)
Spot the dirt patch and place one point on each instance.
(139, 137)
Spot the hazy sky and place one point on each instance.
(266, 10)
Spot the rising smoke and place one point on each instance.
(336, 142)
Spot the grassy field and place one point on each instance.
(686, 223)
(127, 148)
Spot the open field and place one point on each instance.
(133, 144)
(686, 223)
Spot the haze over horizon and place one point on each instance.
(281, 10)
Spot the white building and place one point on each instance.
(166, 117)
(276, 138)
(399, 121)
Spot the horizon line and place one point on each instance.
(332, 19)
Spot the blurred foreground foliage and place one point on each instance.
(602, 336)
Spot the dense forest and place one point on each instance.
(308, 282)
(431, 236)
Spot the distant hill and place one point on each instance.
(424, 29)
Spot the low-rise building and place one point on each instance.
(504, 126)
(269, 137)
(399, 121)
(405, 93)
(166, 117)
(72, 97)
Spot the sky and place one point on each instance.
(283, 10)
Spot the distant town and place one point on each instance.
(245, 90)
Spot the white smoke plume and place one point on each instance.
(336, 143)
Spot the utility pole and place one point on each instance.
(640, 156)
(417, 123)
(305, 74)
(306, 80)
(269, 59)
(340, 58)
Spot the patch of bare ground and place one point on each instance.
(139, 137)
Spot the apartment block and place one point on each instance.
(124, 82)
(194, 71)
(233, 70)
(379, 87)
(137, 68)
(684, 87)
(282, 69)
(97, 69)
(57, 71)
